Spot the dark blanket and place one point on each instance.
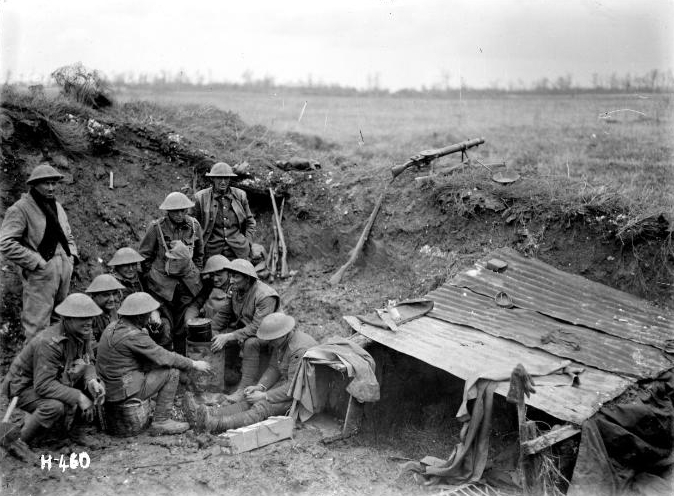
(625, 448)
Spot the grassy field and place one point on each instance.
(624, 142)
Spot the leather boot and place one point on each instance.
(214, 423)
(31, 428)
(165, 397)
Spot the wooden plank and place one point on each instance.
(250, 437)
(548, 439)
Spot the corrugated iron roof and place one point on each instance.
(581, 344)
(463, 352)
(535, 285)
(556, 316)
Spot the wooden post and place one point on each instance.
(522, 384)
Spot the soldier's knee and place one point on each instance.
(51, 409)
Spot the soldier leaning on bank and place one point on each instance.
(35, 235)
(174, 252)
(53, 374)
(225, 215)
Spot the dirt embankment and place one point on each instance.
(423, 234)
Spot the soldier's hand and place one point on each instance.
(251, 389)
(255, 396)
(86, 406)
(201, 366)
(97, 390)
(41, 264)
(220, 341)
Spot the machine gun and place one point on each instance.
(427, 156)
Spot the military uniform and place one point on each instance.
(175, 293)
(25, 240)
(227, 221)
(49, 374)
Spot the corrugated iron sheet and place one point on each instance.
(464, 352)
(536, 286)
(534, 330)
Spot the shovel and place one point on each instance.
(8, 431)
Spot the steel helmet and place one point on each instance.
(78, 305)
(275, 325)
(242, 267)
(215, 263)
(43, 172)
(125, 256)
(221, 169)
(104, 282)
(138, 304)
(176, 201)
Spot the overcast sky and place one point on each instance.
(408, 43)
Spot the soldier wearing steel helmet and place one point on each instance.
(248, 302)
(53, 376)
(132, 365)
(126, 269)
(270, 395)
(211, 299)
(105, 290)
(224, 213)
(36, 235)
(173, 251)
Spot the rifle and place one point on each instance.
(427, 156)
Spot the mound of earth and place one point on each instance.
(425, 232)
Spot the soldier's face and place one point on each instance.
(221, 183)
(220, 278)
(239, 281)
(127, 271)
(177, 216)
(46, 188)
(80, 327)
(106, 300)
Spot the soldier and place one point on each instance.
(225, 215)
(125, 269)
(35, 235)
(215, 292)
(53, 375)
(270, 395)
(173, 251)
(105, 290)
(249, 301)
(134, 366)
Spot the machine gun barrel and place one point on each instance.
(426, 156)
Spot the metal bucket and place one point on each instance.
(200, 382)
(199, 330)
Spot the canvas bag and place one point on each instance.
(178, 256)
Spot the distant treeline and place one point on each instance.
(654, 81)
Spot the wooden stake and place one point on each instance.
(281, 238)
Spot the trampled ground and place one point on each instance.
(589, 201)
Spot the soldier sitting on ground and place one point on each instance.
(174, 253)
(270, 395)
(212, 298)
(105, 291)
(132, 365)
(126, 269)
(53, 376)
(249, 301)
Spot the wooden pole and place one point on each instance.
(281, 238)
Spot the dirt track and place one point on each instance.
(420, 238)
